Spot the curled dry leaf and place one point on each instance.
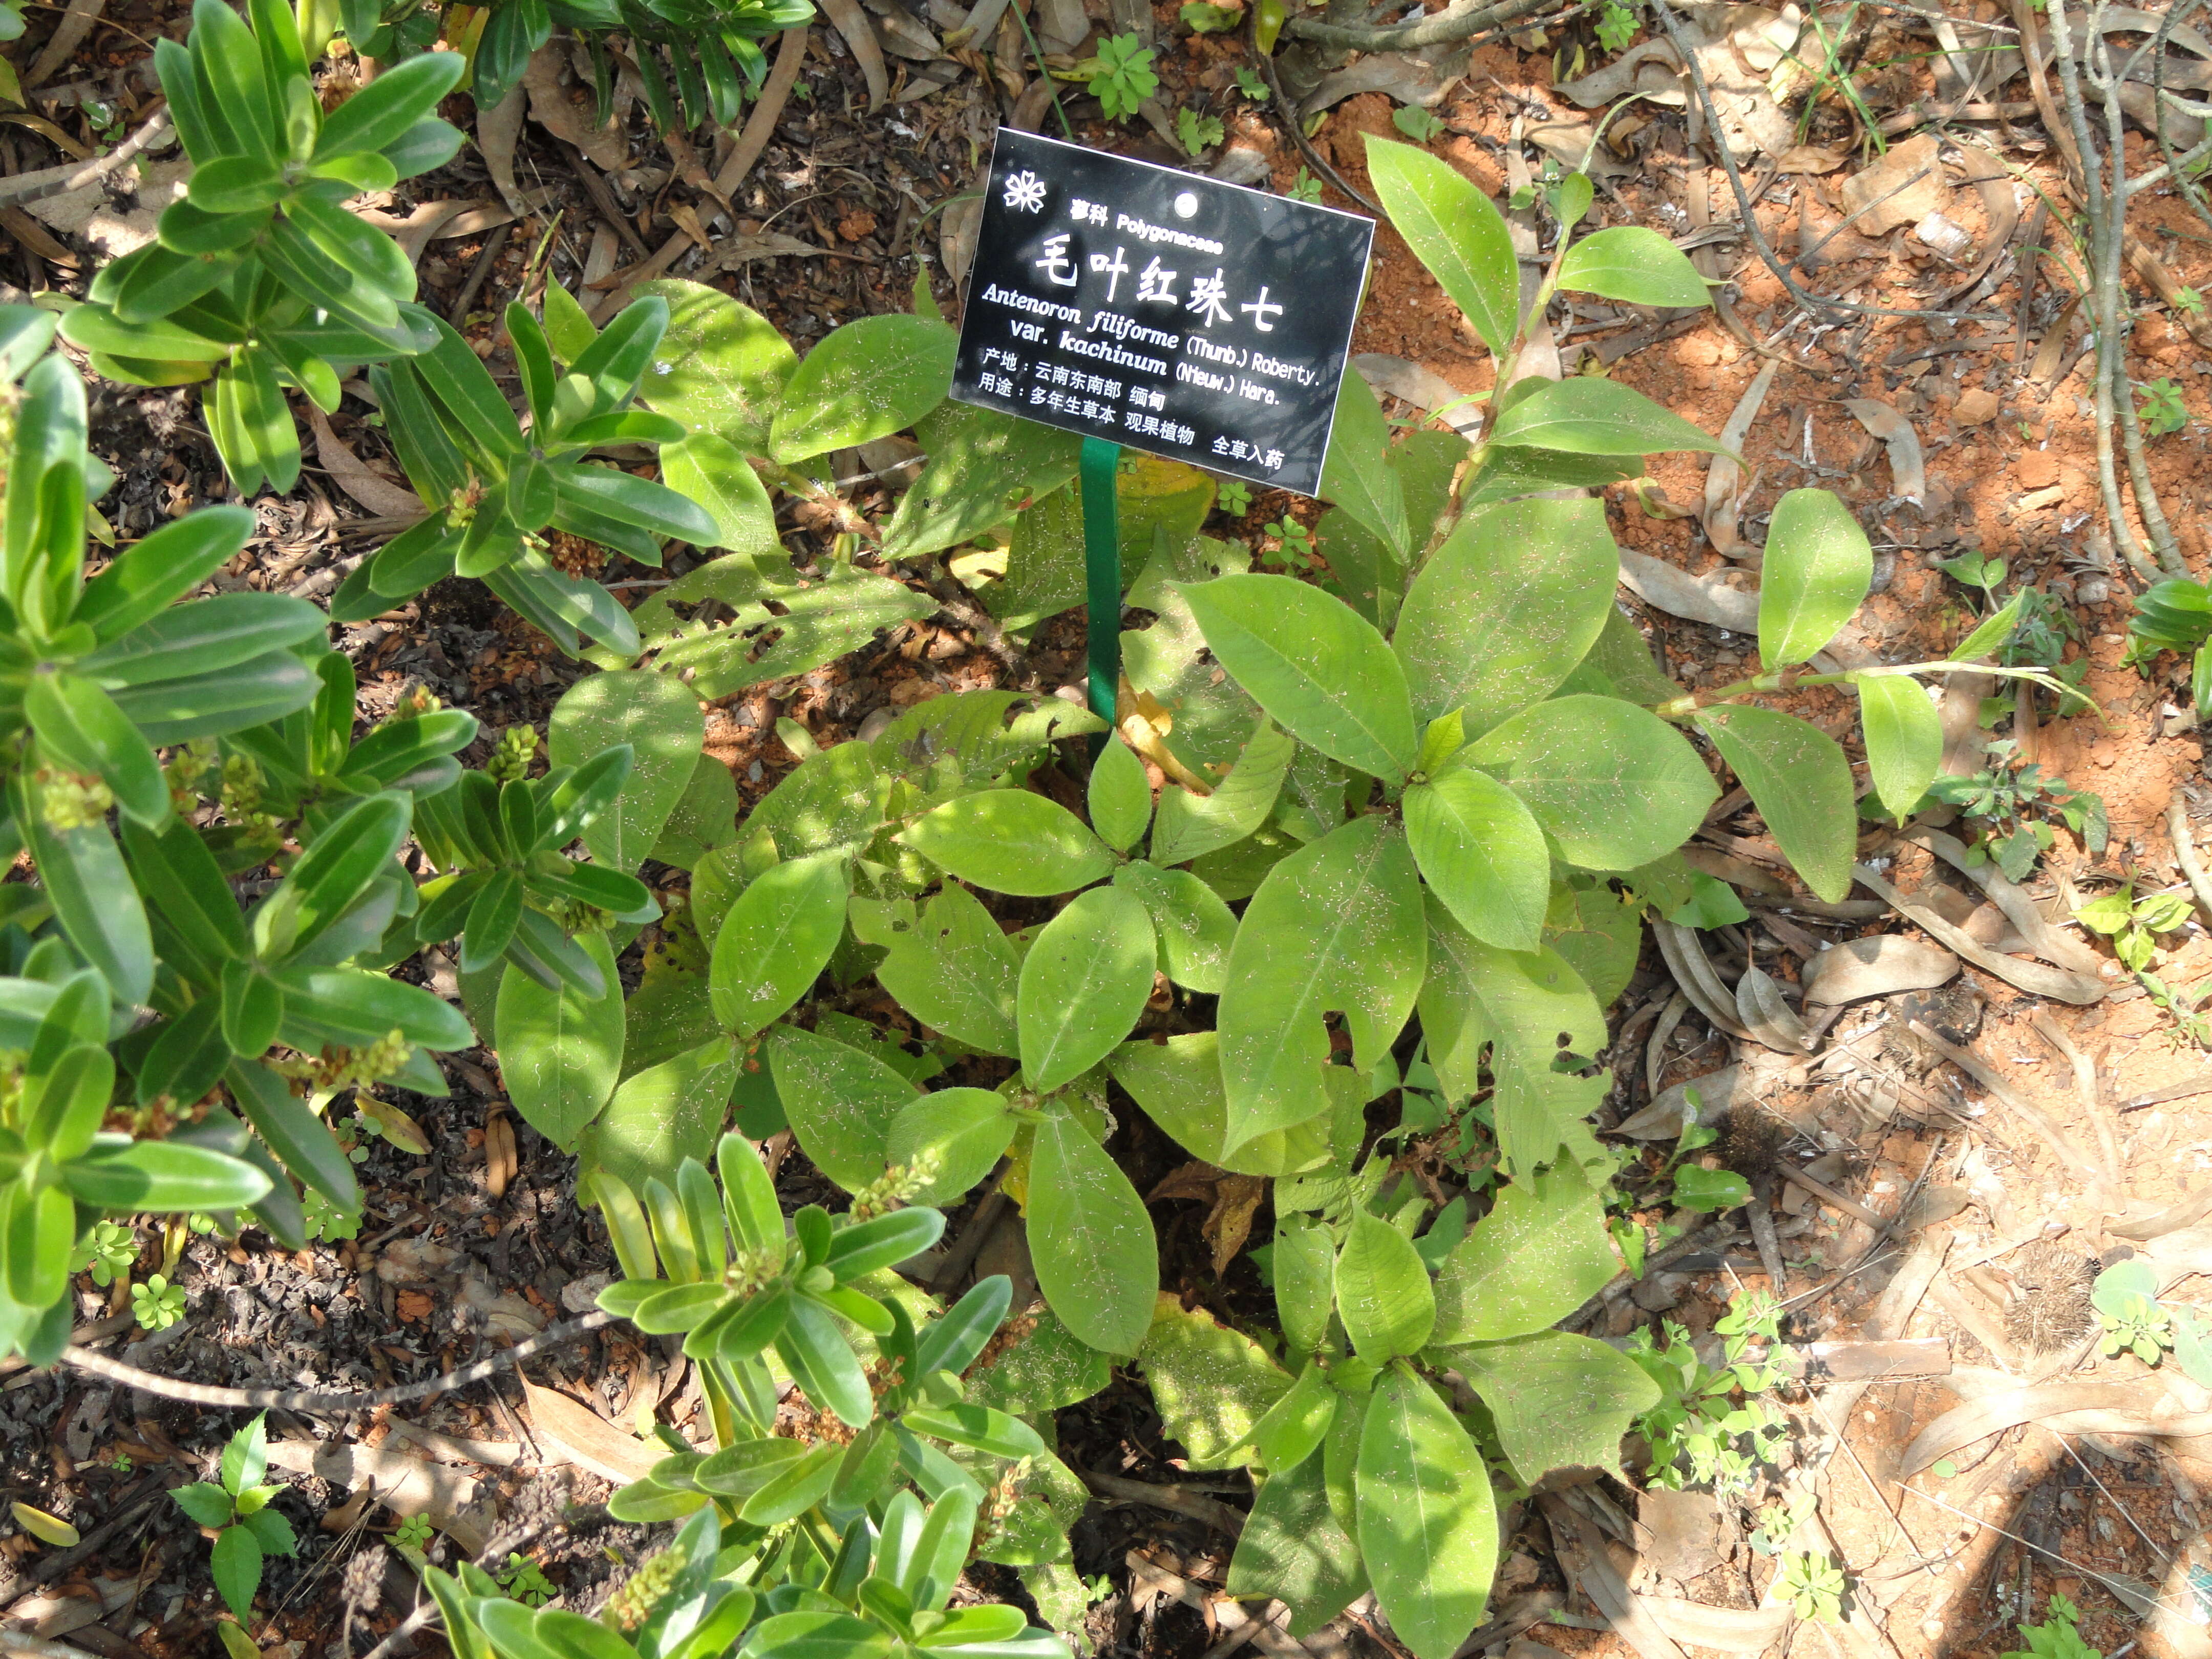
(1694, 599)
(379, 494)
(500, 1163)
(607, 147)
(1876, 967)
(1908, 472)
(849, 21)
(1421, 77)
(1758, 1004)
(2134, 1406)
(498, 130)
(1686, 960)
(1750, 1080)
(1424, 388)
(587, 1439)
(2033, 977)
(1901, 188)
(403, 1483)
(1724, 476)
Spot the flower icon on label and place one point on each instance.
(1024, 192)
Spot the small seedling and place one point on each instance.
(157, 1305)
(1121, 76)
(1251, 85)
(1616, 25)
(1305, 187)
(521, 1579)
(246, 1530)
(2190, 301)
(2058, 1636)
(1775, 1523)
(2126, 1300)
(2014, 803)
(2133, 924)
(1416, 123)
(113, 1248)
(1296, 549)
(1813, 1585)
(413, 1533)
(1234, 498)
(1198, 133)
(325, 1220)
(1203, 19)
(2162, 407)
(1697, 1436)
(1972, 569)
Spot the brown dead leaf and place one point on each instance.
(414, 1306)
(587, 1439)
(403, 1483)
(1235, 1200)
(849, 21)
(556, 108)
(1902, 188)
(1908, 472)
(500, 1163)
(370, 488)
(498, 130)
(1724, 476)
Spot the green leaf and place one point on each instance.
(1212, 1384)
(1320, 671)
(1428, 1522)
(1505, 608)
(1455, 231)
(1818, 567)
(154, 1175)
(1297, 1424)
(1586, 416)
(206, 1502)
(1305, 1283)
(1042, 1371)
(1358, 474)
(560, 1052)
(1537, 1257)
(1120, 797)
(1710, 1191)
(659, 719)
(663, 1114)
(1482, 853)
(842, 1103)
(1195, 927)
(1097, 1259)
(864, 380)
(704, 818)
(1634, 263)
(235, 1561)
(1904, 739)
(777, 939)
(979, 459)
(95, 901)
(721, 366)
(952, 969)
(966, 1130)
(1996, 629)
(1083, 985)
(1615, 784)
(1294, 1549)
(1011, 841)
(1178, 1084)
(80, 726)
(352, 851)
(1188, 826)
(1560, 1400)
(713, 472)
(1335, 926)
(1801, 785)
(1383, 1292)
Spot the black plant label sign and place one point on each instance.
(1172, 314)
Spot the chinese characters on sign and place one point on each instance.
(1172, 314)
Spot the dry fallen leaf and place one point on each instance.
(1908, 472)
(551, 105)
(500, 1163)
(587, 1439)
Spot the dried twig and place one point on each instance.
(56, 181)
(1456, 23)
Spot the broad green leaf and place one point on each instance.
(1482, 854)
(963, 1133)
(1623, 657)
(720, 366)
(1428, 1522)
(776, 939)
(982, 463)
(1335, 926)
(1817, 570)
(1294, 1550)
(834, 801)
(866, 380)
(660, 719)
(1455, 231)
(812, 621)
(1011, 841)
(1507, 474)
(1097, 1259)
(1383, 1292)
(1305, 1283)
(1212, 1385)
(1358, 475)
(713, 472)
(1041, 1370)
(1541, 1116)
(1120, 797)
(1189, 826)
(664, 1113)
(235, 1564)
(1615, 784)
(1632, 263)
(1195, 927)
(1560, 1400)
(1313, 664)
(842, 1103)
(95, 900)
(560, 1052)
(1537, 1257)
(1904, 739)
(705, 816)
(1297, 1424)
(952, 969)
(1801, 785)
(1504, 610)
(1599, 933)
(1533, 1001)
(1178, 1084)
(1083, 985)
(1586, 416)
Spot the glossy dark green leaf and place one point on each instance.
(80, 729)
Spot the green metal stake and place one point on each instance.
(1102, 564)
